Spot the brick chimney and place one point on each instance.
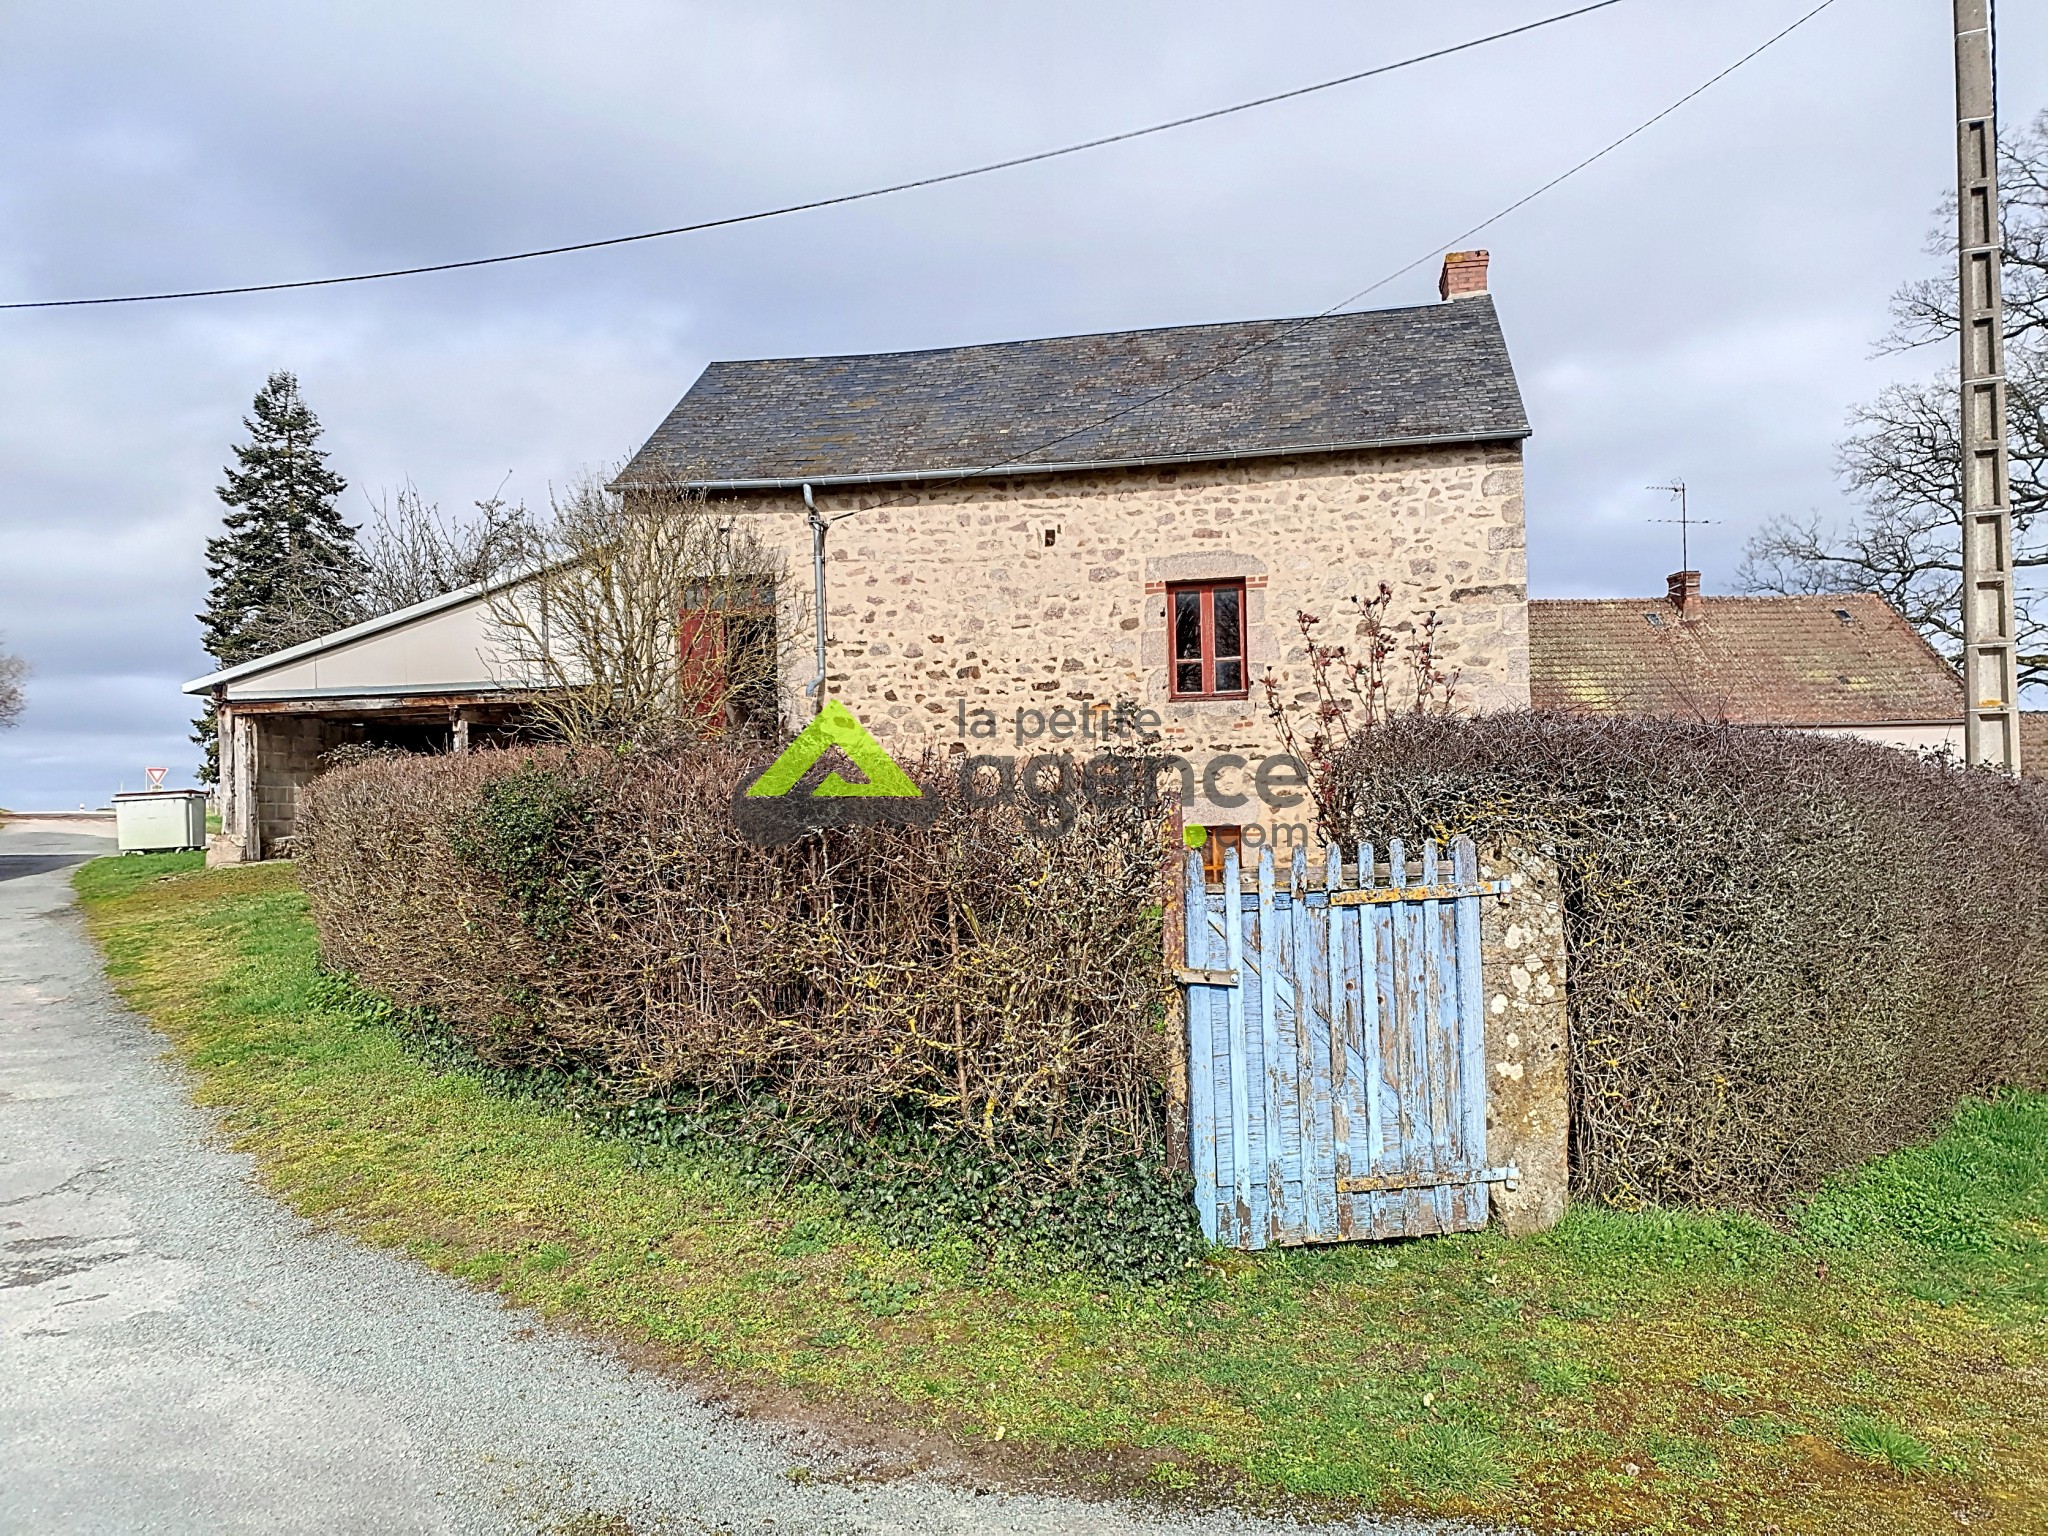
(1682, 590)
(1464, 274)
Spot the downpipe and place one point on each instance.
(816, 691)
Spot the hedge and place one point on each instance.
(1787, 953)
(961, 1024)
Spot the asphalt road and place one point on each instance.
(178, 1353)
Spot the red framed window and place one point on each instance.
(1219, 842)
(1205, 629)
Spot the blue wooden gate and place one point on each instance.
(1337, 1048)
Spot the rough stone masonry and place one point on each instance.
(1046, 593)
(1528, 1112)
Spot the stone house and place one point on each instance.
(1025, 543)
(1018, 538)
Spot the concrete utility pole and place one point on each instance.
(1991, 721)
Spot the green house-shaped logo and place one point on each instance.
(768, 810)
(835, 726)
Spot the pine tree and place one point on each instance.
(286, 568)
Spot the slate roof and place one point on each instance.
(1436, 373)
(1848, 659)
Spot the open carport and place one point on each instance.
(435, 677)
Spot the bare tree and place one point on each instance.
(1903, 460)
(13, 697)
(650, 620)
(302, 606)
(408, 552)
(412, 552)
(1352, 690)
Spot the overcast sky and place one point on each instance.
(1702, 304)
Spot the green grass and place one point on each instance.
(1875, 1440)
(1877, 1364)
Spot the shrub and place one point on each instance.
(1787, 953)
(1875, 1440)
(959, 1023)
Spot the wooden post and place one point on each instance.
(240, 818)
(228, 787)
(1173, 941)
(247, 827)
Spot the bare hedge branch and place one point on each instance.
(411, 552)
(595, 911)
(1787, 953)
(650, 621)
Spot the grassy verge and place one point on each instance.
(1880, 1365)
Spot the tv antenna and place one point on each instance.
(1685, 520)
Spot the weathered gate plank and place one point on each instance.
(1369, 1149)
(1242, 1172)
(1293, 1087)
(1336, 1043)
(1318, 1213)
(1409, 1011)
(1343, 1038)
(1438, 1085)
(1274, 1097)
(1392, 1210)
(1322, 1036)
(1218, 951)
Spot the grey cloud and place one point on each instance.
(1701, 304)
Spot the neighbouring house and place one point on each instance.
(1021, 537)
(1846, 664)
(2033, 743)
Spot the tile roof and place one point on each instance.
(1438, 372)
(1842, 660)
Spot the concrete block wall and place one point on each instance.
(288, 753)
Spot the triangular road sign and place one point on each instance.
(156, 777)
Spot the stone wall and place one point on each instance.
(1528, 1113)
(1049, 593)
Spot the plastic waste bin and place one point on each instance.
(160, 820)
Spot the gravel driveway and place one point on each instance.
(179, 1353)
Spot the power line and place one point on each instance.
(1023, 461)
(824, 202)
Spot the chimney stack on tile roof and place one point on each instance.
(1682, 590)
(1464, 274)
